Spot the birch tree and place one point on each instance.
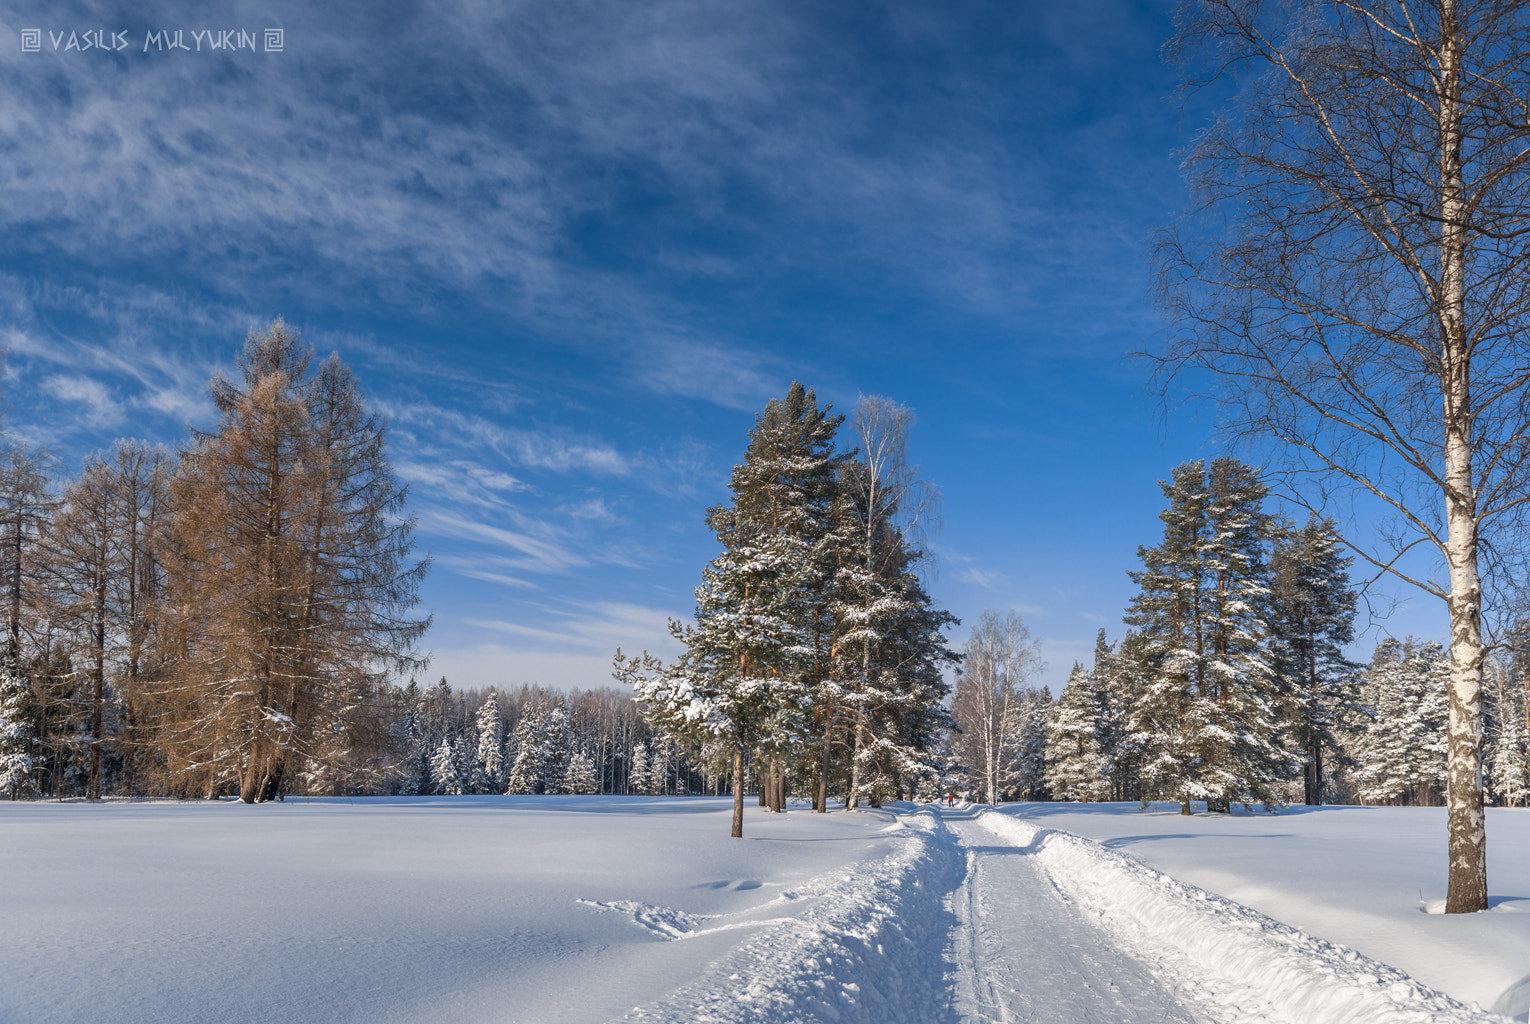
(1360, 289)
(998, 659)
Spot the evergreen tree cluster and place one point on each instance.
(1231, 685)
(815, 656)
(530, 740)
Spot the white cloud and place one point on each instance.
(103, 409)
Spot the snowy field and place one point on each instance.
(544, 909)
(590, 909)
(1362, 877)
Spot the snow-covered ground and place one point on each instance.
(1356, 876)
(540, 909)
(589, 909)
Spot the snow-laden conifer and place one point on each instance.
(1077, 768)
(1400, 748)
(445, 776)
(1313, 613)
(579, 776)
(528, 772)
(18, 776)
(637, 773)
(1207, 716)
(745, 678)
(489, 760)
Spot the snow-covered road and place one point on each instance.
(1021, 954)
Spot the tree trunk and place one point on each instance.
(1467, 843)
(738, 794)
(823, 768)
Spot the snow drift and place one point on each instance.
(1221, 953)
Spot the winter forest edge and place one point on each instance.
(816, 666)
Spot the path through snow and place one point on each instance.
(1021, 954)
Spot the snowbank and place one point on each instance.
(865, 948)
(1223, 953)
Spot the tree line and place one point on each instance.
(223, 618)
(1230, 685)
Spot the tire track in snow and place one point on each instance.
(1021, 955)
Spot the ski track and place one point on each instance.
(1021, 955)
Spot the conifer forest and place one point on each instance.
(237, 617)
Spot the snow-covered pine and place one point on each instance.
(528, 772)
(1312, 611)
(18, 776)
(1207, 715)
(1077, 768)
(745, 679)
(556, 749)
(445, 779)
(637, 774)
(489, 759)
(579, 776)
(1400, 745)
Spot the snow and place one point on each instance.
(1357, 877)
(462, 909)
(568, 910)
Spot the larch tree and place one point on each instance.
(293, 579)
(1360, 287)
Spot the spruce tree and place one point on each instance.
(637, 772)
(1313, 617)
(528, 772)
(1207, 715)
(489, 762)
(1077, 768)
(18, 775)
(579, 777)
(1401, 746)
(445, 777)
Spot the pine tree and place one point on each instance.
(1401, 745)
(637, 773)
(445, 776)
(745, 680)
(579, 777)
(1207, 715)
(489, 762)
(18, 776)
(528, 772)
(1077, 768)
(1313, 618)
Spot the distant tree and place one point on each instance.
(529, 771)
(18, 776)
(1077, 767)
(579, 777)
(999, 658)
(1207, 715)
(1312, 610)
(489, 764)
(637, 777)
(1400, 751)
(445, 773)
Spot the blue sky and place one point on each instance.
(572, 248)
